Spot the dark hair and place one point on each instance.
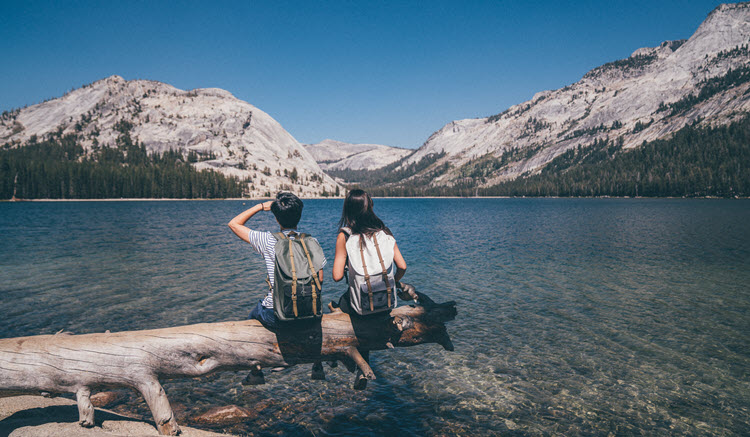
(287, 208)
(358, 215)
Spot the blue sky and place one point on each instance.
(388, 72)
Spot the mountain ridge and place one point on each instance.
(636, 99)
(227, 134)
(338, 155)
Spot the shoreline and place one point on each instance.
(37, 416)
(374, 197)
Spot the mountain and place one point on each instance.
(648, 96)
(215, 129)
(336, 155)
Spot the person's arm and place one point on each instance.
(398, 259)
(339, 260)
(237, 224)
(320, 275)
(407, 291)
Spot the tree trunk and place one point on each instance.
(80, 364)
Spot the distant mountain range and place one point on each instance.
(337, 155)
(697, 84)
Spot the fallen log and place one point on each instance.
(81, 364)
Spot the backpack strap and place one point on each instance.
(312, 271)
(278, 236)
(294, 273)
(382, 266)
(364, 267)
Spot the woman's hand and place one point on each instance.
(267, 205)
(407, 291)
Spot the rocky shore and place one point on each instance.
(36, 416)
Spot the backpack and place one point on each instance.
(371, 282)
(296, 288)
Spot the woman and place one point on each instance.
(358, 221)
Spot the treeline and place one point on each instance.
(696, 161)
(59, 168)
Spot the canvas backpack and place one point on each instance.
(296, 288)
(371, 272)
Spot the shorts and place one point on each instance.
(265, 316)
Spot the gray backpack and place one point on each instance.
(370, 262)
(296, 288)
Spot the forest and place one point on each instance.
(697, 161)
(58, 167)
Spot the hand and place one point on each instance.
(267, 205)
(407, 292)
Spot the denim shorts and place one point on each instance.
(265, 315)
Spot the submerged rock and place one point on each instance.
(225, 415)
(107, 399)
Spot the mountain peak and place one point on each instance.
(338, 155)
(648, 96)
(217, 130)
(729, 8)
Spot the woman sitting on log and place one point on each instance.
(366, 248)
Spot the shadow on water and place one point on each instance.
(300, 340)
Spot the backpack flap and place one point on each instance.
(371, 284)
(385, 244)
(297, 290)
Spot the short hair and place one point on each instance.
(287, 208)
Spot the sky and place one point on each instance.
(384, 72)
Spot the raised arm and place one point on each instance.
(237, 224)
(339, 260)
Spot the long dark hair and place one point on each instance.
(358, 215)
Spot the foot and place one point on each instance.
(360, 382)
(318, 374)
(254, 378)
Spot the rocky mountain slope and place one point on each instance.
(337, 155)
(649, 95)
(223, 132)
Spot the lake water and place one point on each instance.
(575, 316)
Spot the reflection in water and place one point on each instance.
(575, 315)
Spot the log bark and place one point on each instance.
(81, 364)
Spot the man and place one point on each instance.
(287, 208)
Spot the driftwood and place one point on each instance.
(80, 364)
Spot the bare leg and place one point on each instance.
(364, 371)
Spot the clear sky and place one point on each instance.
(387, 72)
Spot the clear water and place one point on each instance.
(576, 316)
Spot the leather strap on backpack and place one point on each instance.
(312, 271)
(294, 275)
(382, 266)
(364, 267)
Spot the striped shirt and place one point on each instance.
(264, 243)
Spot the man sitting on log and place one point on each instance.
(287, 208)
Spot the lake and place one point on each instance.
(575, 316)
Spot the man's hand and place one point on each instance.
(267, 205)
